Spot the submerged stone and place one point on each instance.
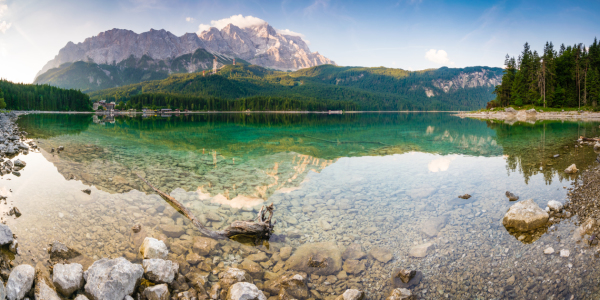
(525, 216)
(316, 258)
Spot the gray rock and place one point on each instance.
(44, 289)
(510, 110)
(109, 279)
(157, 292)
(245, 291)
(400, 294)
(6, 235)
(81, 297)
(19, 282)
(67, 278)
(351, 294)
(19, 163)
(525, 216)
(59, 250)
(159, 270)
(555, 205)
(153, 248)
(2, 290)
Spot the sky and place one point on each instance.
(406, 34)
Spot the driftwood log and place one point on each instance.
(589, 139)
(261, 229)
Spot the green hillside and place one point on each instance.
(368, 88)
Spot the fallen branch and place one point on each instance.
(589, 139)
(261, 229)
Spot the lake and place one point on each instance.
(370, 192)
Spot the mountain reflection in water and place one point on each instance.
(386, 181)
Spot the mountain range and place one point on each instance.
(163, 52)
(254, 61)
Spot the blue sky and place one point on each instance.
(407, 34)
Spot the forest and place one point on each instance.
(569, 77)
(366, 88)
(256, 103)
(18, 96)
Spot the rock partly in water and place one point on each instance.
(245, 291)
(232, 276)
(20, 282)
(67, 278)
(6, 235)
(351, 294)
(511, 196)
(572, 169)
(59, 250)
(555, 206)
(159, 270)
(293, 286)
(109, 279)
(157, 292)
(400, 294)
(510, 110)
(153, 248)
(402, 278)
(525, 216)
(316, 258)
(44, 289)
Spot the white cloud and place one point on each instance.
(190, 19)
(438, 57)
(4, 26)
(289, 32)
(237, 20)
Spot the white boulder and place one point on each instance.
(19, 282)
(153, 248)
(525, 216)
(160, 270)
(157, 292)
(555, 205)
(245, 291)
(67, 278)
(109, 279)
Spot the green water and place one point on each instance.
(376, 180)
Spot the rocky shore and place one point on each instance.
(510, 115)
(171, 261)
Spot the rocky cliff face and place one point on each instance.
(468, 80)
(116, 45)
(261, 45)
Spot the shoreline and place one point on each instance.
(24, 112)
(512, 116)
(158, 267)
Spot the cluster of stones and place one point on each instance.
(158, 278)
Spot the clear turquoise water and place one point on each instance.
(371, 179)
